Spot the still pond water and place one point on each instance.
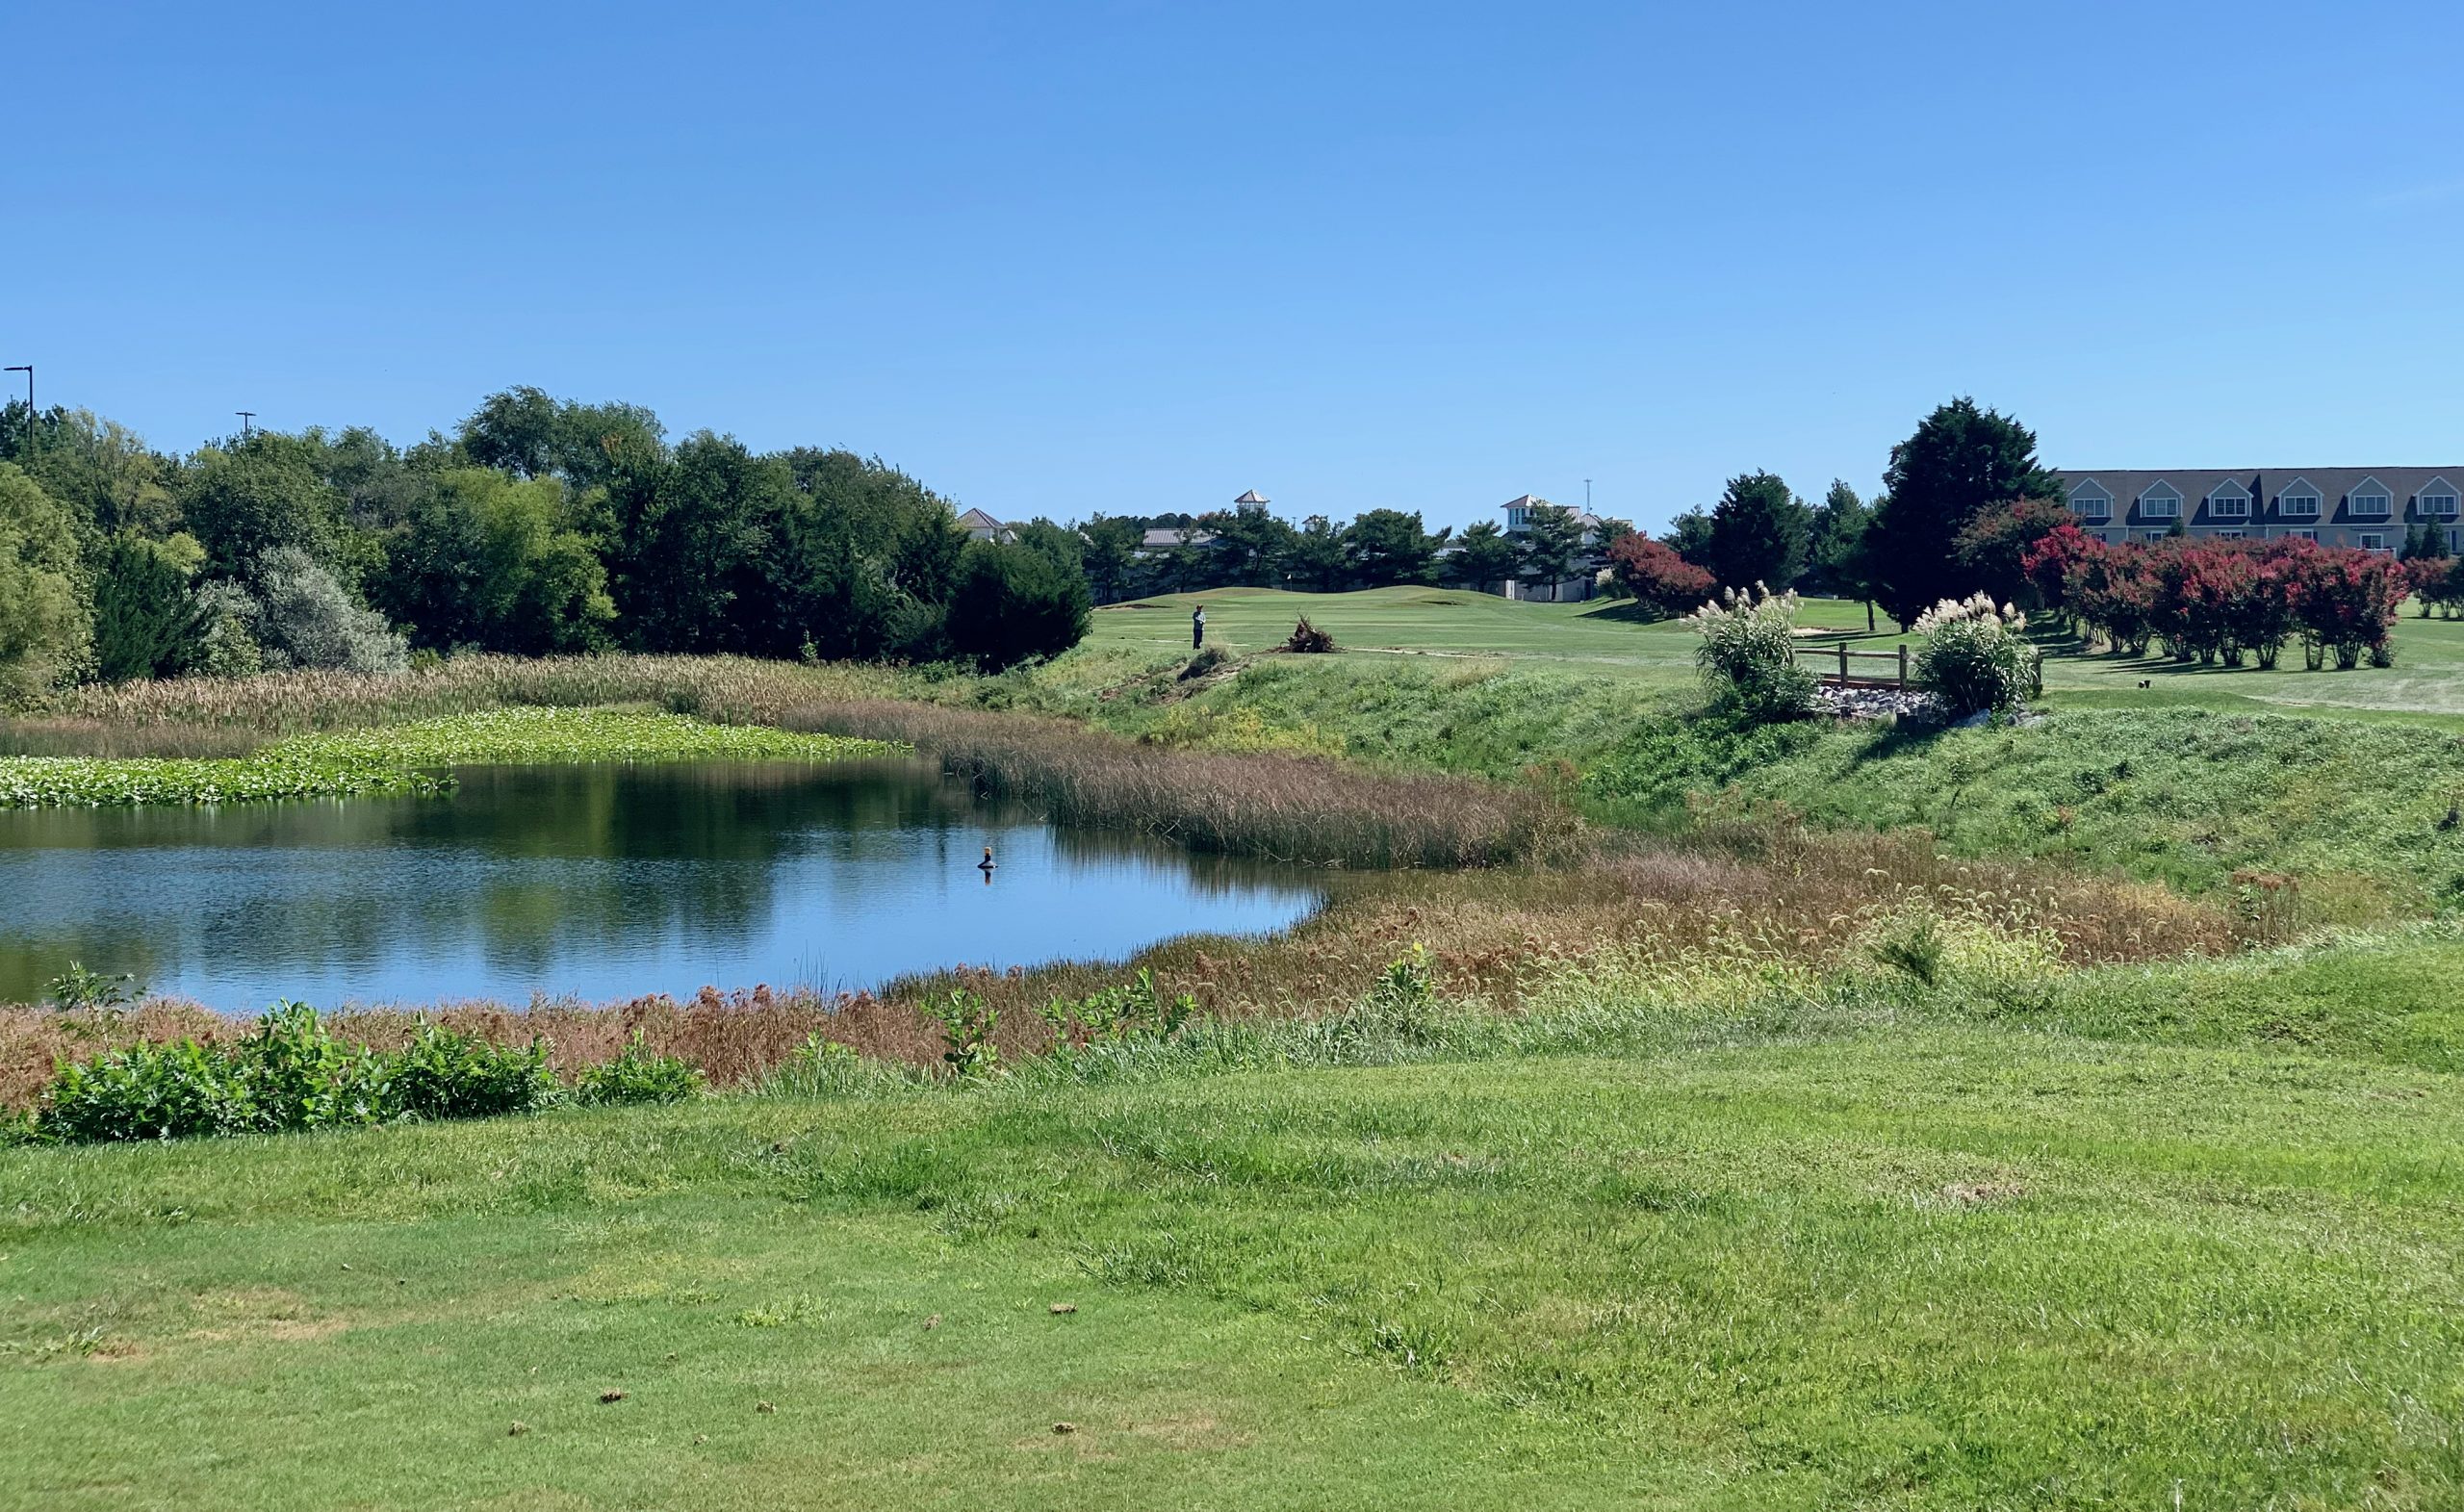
(599, 881)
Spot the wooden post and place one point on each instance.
(1903, 666)
(1843, 661)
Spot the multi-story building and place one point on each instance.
(2372, 508)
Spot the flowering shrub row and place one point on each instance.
(2217, 601)
(2437, 583)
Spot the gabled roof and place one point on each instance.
(1174, 535)
(2090, 487)
(1253, 497)
(1527, 501)
(978, 519)
(2333, 486)
(2231, 488)
(2159, 489)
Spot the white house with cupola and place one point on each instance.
(2372, 508)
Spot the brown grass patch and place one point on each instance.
(1292, 807)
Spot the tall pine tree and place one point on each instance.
(1961, 461)
(1757, 535)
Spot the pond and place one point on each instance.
(601, 883)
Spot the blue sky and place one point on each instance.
(1126, 257)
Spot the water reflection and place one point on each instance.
(597, 880)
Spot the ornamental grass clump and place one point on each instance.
(1976, 657)
(1749, 655)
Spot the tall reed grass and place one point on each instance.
(729, 689)
(108, 740)
(1292, 807)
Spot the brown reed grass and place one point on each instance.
(106, 739)
(731, 689)
(1291, 807)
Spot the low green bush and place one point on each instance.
(639, 1074)
(968, 1022)
(82, 988)
(290, 1072)
(1115, 1015)
(148, 1091)
(445, 1073)
(298, 1076)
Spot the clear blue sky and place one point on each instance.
(1060, 258)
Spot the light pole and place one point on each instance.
(246, 416)
(29, 371)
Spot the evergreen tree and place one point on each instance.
(1757, 535)
(149, 622)
(1689, 536)
(1320, 556)
(1488, 556)
(1552, 539)
(1391, 546)
(1959, 460)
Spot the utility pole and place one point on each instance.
(29, 371)
(1586, 496)
(246, 416)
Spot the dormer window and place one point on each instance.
(2370, 499)
(2298, 501)
(2089, 502)
(2437, 498)
(2230, 502)
(2160, 502)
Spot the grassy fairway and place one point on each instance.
(1597, 636)
(1911, 1266)
(1605, 638)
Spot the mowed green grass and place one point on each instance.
(1607, 638)
(1912, 1264)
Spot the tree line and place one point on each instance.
(1904, 552)
(1967, 508)
(1247, 546)
(538, 526)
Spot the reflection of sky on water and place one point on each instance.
(601, 881)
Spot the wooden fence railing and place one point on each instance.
(1832, 662)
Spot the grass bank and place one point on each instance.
(2361, 813)
(1765, 1250)
(407, 757)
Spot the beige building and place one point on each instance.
(2372, 508)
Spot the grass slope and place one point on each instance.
(1923, 1265)
(2361, 807)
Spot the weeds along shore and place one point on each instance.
(1762, 909)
